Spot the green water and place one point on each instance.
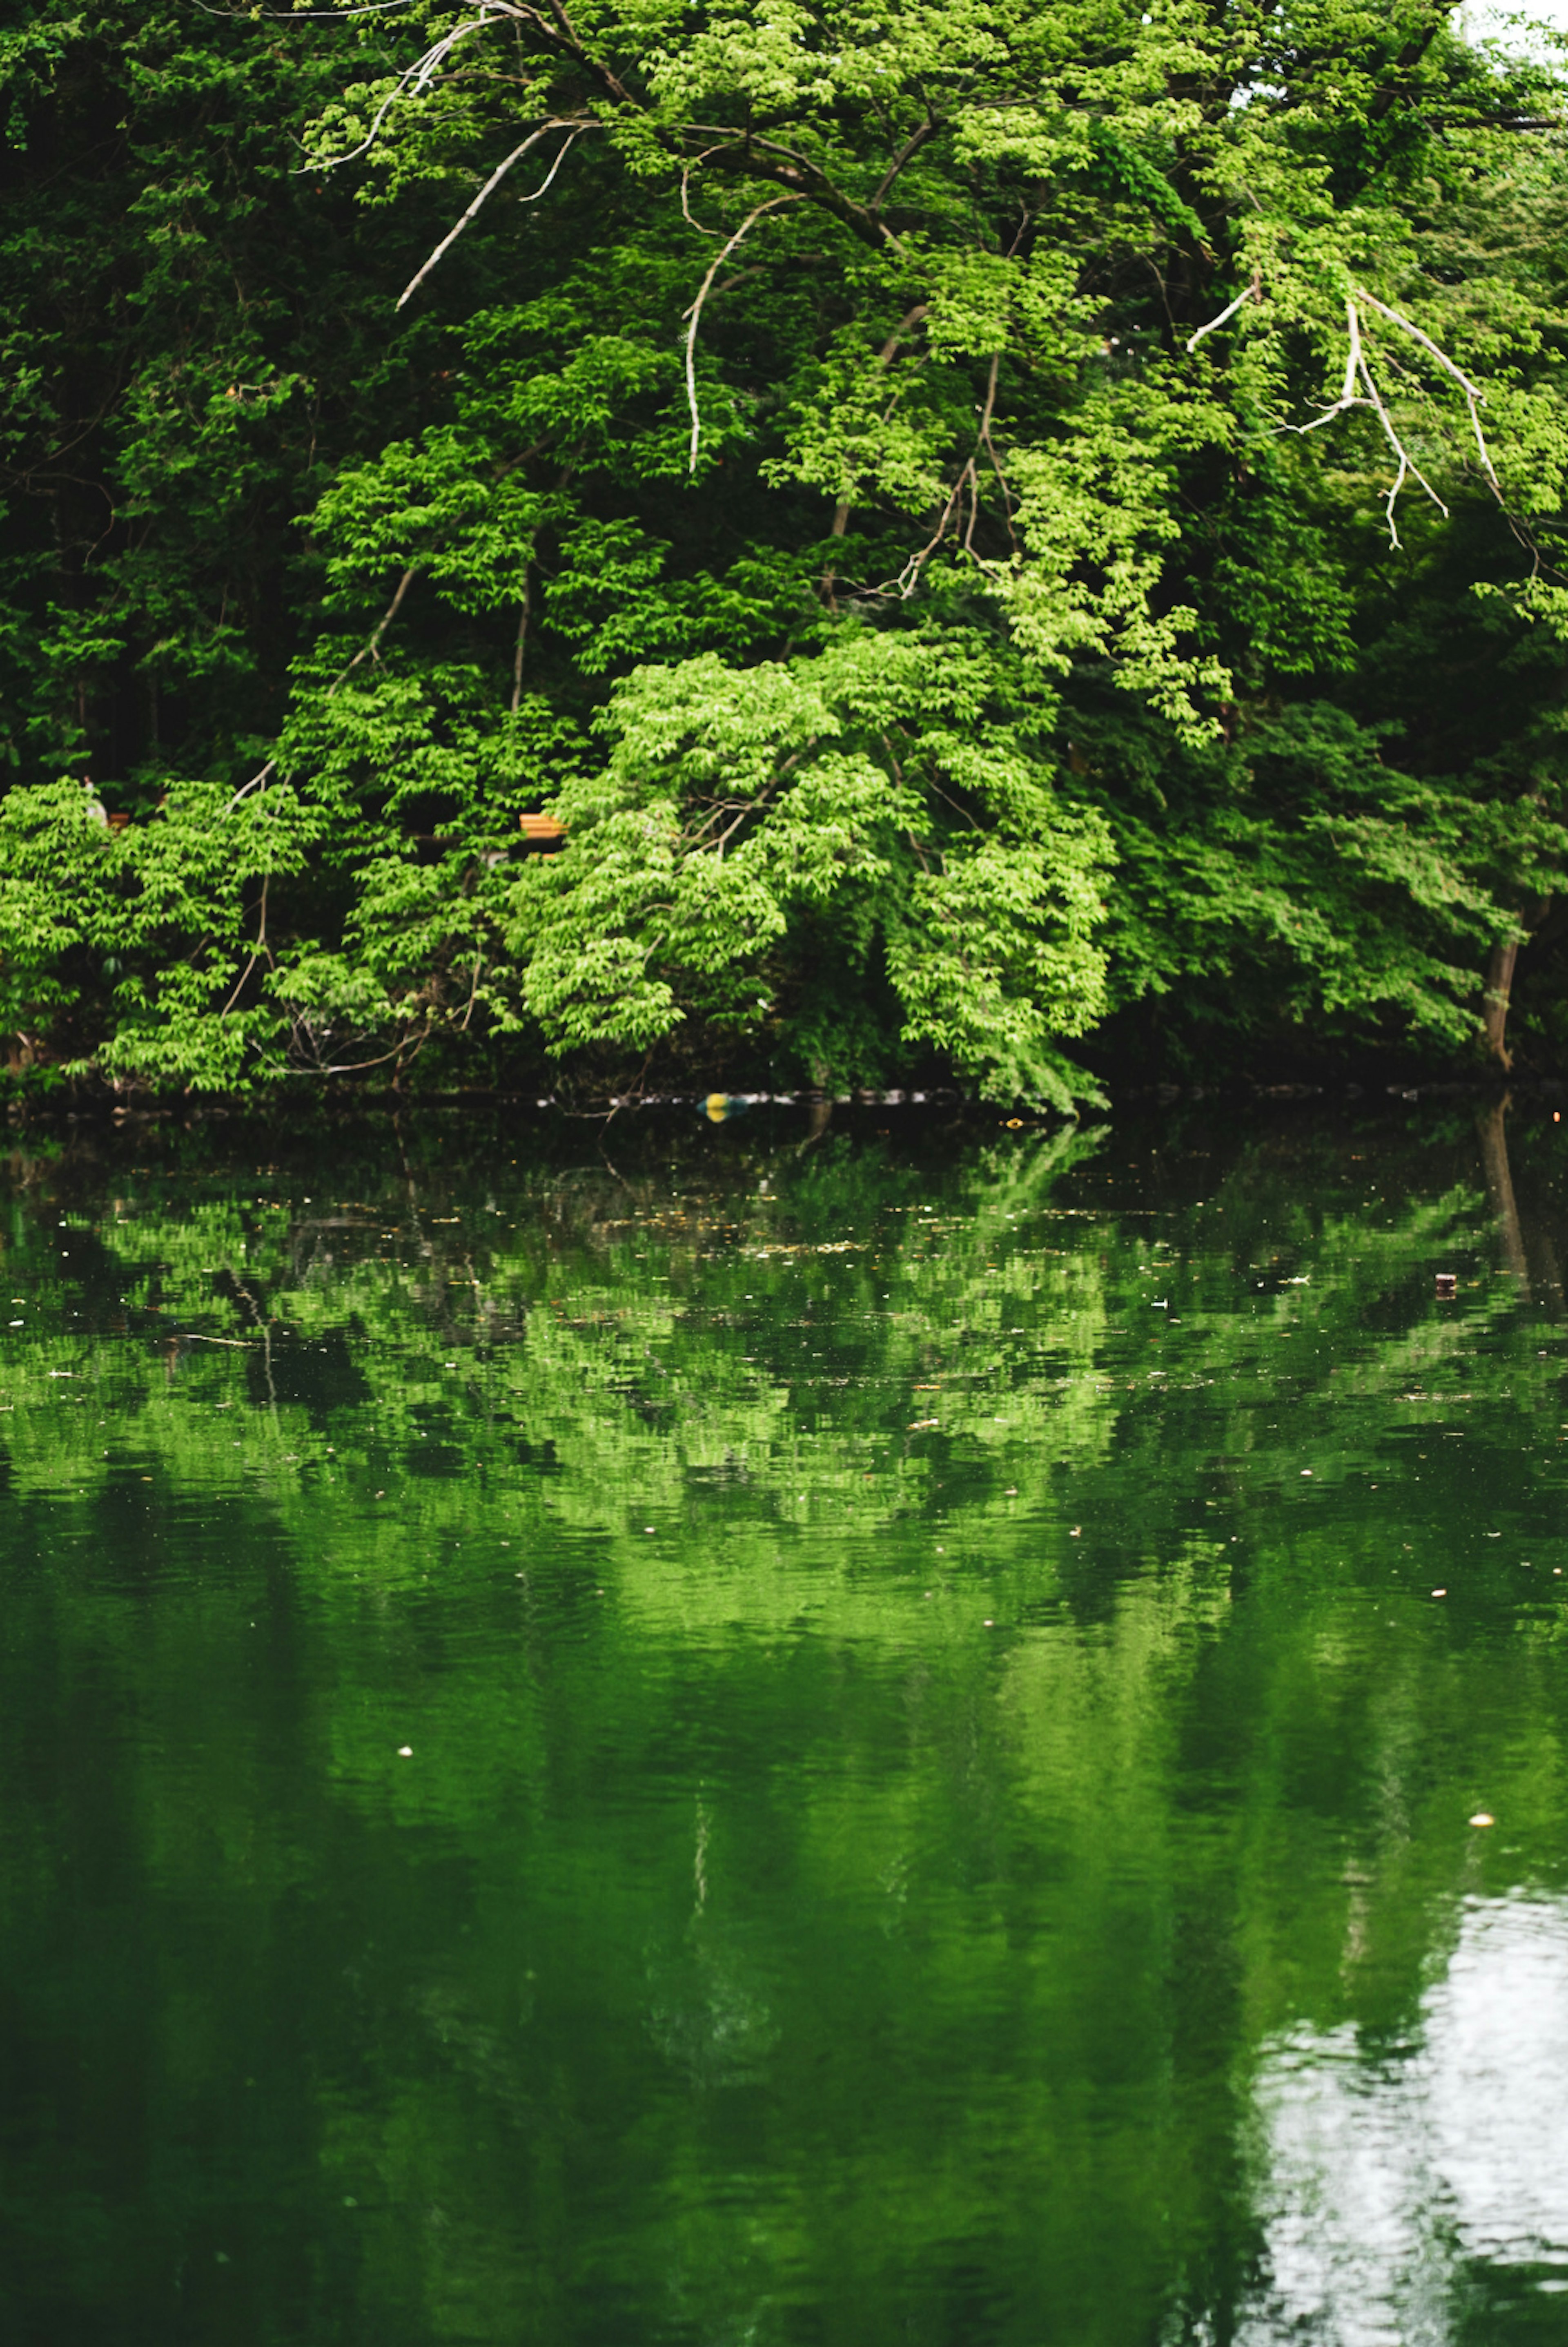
(937, 1789)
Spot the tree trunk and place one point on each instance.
(1495, 1014)
(1500, 985)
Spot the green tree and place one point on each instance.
(958, 511)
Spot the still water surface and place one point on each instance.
(773, 1735)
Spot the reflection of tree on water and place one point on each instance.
(1492, 1127)
(1398, 2191)
(1533, 1264)
(977, 1583)
(707, 2014)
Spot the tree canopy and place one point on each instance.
(1020, 537)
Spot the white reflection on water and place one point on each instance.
(1382, 2180)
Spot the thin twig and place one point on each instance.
(368, 650)
(985, 416)
(909, 577)
(1252, 293)
(257, 782)
(773, 205)
(1473, 394)
(685, 191)
(492, 183)
(261, 948)
(358, 1067)
(1407, 463)
(522, 641)
(418, 75)
(472, 994)
(306, 16)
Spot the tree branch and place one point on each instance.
(1407, 464)
(773, 204)
(418, 77)
(368, 650)
(885, 358)
(1474, 396)
(906, 153)
(1348, 396)
(985, 415)
(1253, 292)
(522, 641)
(260, 949)
(492, 182)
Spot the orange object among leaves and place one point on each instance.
(542, 830)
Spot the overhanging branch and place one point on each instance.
(575, 128)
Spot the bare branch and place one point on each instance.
(686, 192)
(368, 650)
(768, 159)
(1474, 397)
(359, 1066)
(258, 782)
(1349, 397)
(772, 205)
(309, 15)
(1407, 464)
(1253, 292)
(522, 641)
(492, 182)
(561, 32)
(907, 578)
(1357, 371)
(473, 993)
(1353, 355)
(985, 415)
(260, 949)
(416, 77)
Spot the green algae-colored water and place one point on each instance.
(775, 1734)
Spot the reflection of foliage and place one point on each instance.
(749, 1813)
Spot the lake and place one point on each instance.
(854, 1728)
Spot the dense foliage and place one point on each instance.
(1000, 532)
